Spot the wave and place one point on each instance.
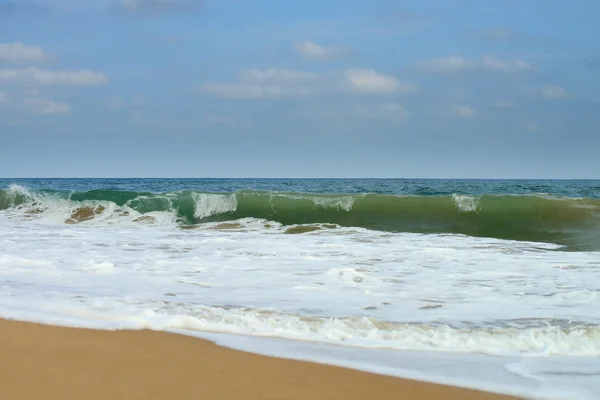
(573, 222)
(550, 338)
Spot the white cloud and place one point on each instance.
(463, 110)
(313, 50)
(57, 77)
(369, 80)
(506, 66)
(48, 107)
(4, 97)
(394, 111)
(280, 83)
(459, 64)
(261, 84)
(16, 52)
(278, 76)
(553, 92)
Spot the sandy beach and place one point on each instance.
(48, 362)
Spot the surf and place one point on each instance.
(571, 222)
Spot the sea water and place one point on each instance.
(486, 284)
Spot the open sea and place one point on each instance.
(490, 284)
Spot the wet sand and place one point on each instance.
(51, 363)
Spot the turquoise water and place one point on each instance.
(416, 187)
(560, 212)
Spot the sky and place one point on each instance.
(330, 88)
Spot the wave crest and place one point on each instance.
(565, 221)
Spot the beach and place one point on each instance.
(347, 273)
(49, 362)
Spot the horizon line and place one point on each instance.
(309, 178)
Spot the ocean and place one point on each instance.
(490, 284)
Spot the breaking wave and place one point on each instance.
(574, 223)
(548, 338)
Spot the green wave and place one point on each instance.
(571, 222)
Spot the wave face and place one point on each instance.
(572, 222)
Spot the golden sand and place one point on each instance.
(47, 363)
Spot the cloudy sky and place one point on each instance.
(334, 88)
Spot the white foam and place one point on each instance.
(350, 276)
(11, 194)
(360, 289)
(466, 203)
(207, 204)
(103, 267)
(15, 189)
(358, 332)
(339, 202)
(49, 208)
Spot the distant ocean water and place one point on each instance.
(507, 269)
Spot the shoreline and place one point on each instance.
(53, 362)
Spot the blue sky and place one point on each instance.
(251, 88)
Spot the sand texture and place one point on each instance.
(51, 363)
